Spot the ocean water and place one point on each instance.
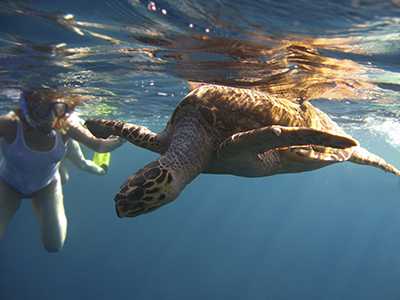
(327, 234)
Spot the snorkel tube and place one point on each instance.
(24, 110)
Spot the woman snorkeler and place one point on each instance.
(33, 144)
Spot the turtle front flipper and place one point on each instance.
(272, 137)
(148, 189)
(161, 181)
(136, 134)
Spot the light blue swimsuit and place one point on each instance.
(26, 170)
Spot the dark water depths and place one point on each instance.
(328, 234)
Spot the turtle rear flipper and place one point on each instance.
(272, 137)
(318, 154)
(363, 157)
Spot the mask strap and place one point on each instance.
(23, 105)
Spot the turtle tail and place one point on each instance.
(364, 157)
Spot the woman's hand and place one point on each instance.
(83, 135)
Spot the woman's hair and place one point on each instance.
(46, 95)
(40, 96)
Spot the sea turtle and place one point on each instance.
(225, 130)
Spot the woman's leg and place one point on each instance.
(10, 201)
(64, 174)
(48, 204)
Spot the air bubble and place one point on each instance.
(151, 6)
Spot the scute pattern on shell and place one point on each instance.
(229, 110)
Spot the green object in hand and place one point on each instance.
(102, 159)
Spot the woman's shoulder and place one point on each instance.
(10, 118)
(8, 125)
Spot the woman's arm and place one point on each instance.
(75, 155)
(82, 135)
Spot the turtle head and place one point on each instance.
(147, 190)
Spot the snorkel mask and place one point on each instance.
(58, 109)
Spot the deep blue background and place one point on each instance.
(328, 234)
